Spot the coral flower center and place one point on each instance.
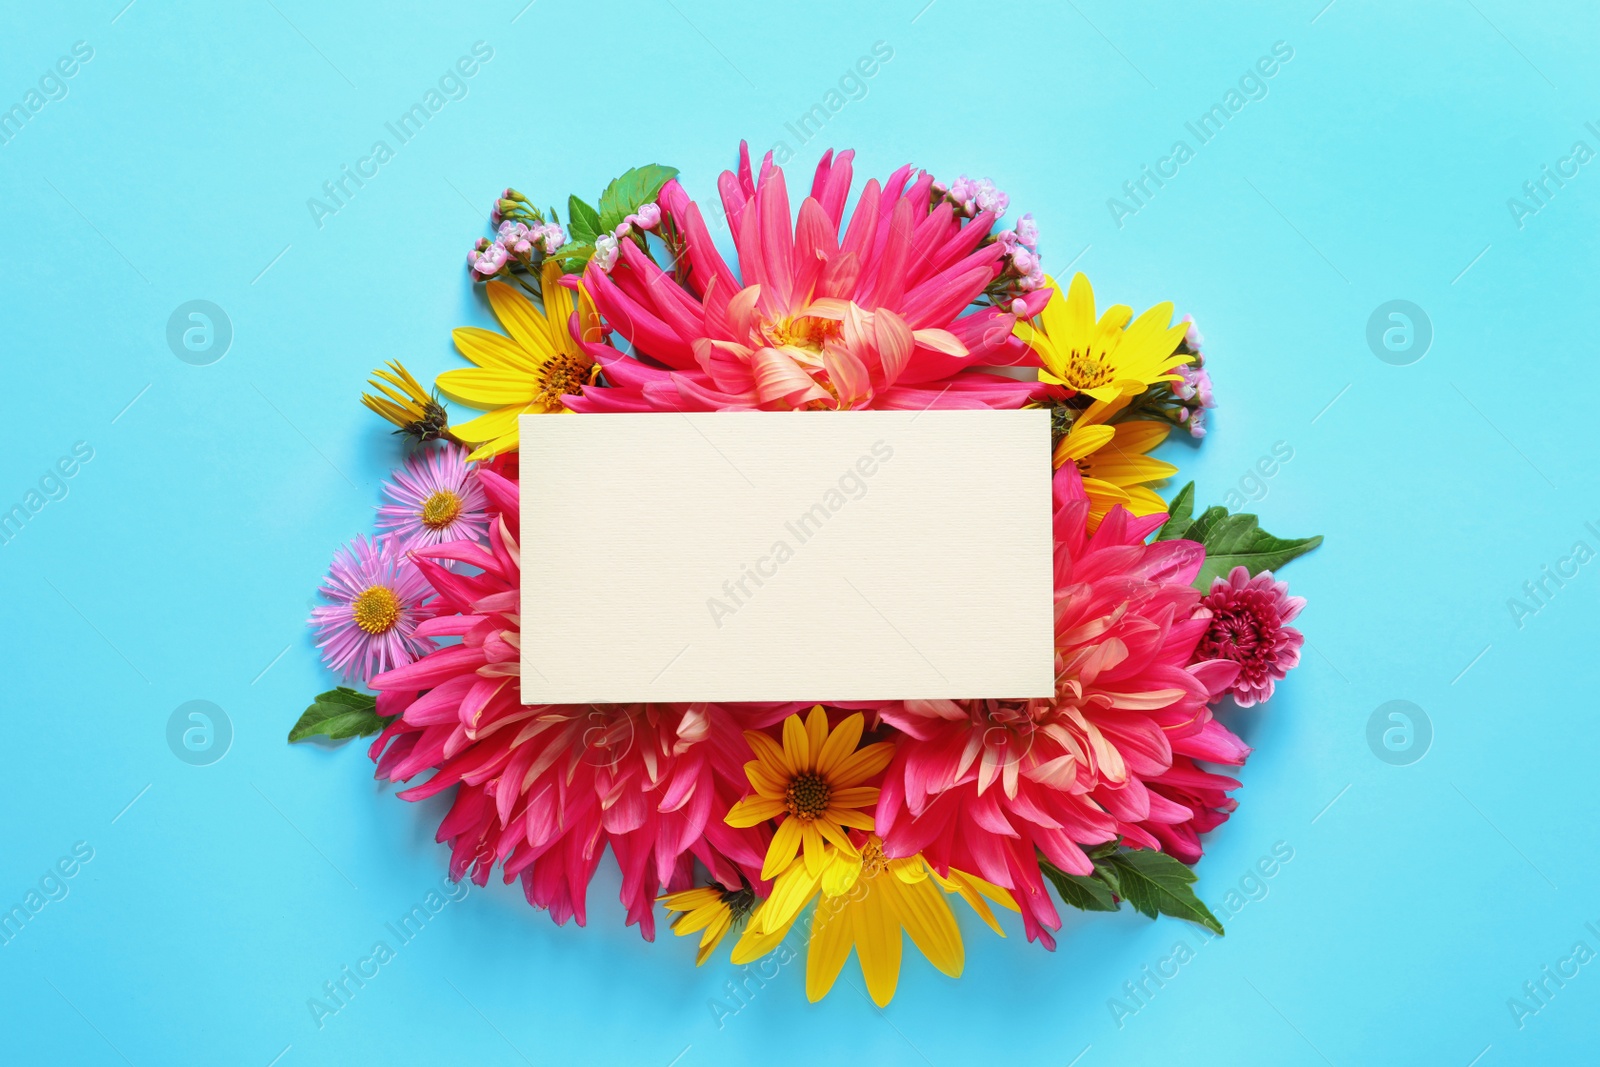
(376, 609)
(564, 375)
(803, 332)
(807, 795)
(440, 509)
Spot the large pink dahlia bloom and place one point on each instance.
(871, 308)
(987, 786)
(544, 789)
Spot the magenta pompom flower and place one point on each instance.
(434, 498)
(378, 596)
(1249, 625)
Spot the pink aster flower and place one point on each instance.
(871, 308)
(1249, 626)
(543, 790)
(379, 601)
(434, 498)
(988, 785)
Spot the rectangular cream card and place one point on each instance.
(815, 556)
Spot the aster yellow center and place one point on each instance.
(440, 509)
(1087, 370)
(807, 796)
(563, 375)
(376, 609)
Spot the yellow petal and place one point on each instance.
(492, 424)
(489, 349)
(811, 848)
(876, 930)
(1141, 435)
(1082, 441)
(922, 908)
(862, 764)
(785, 843)
(488, 387)
(842, 873)
(768, 752)
(756, 942)
(753, 810)
(831, 929)
(856, 796)
(816, 733)
(792, 890)
(521, 320)
(796, 745)
(713, 935)
(840, 743)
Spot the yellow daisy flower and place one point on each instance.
(402, 400)
(527, 373)
(813, 783)
(1112, 458)
(867, 900)
(1096, 357)
(711, 909)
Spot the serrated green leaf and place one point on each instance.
(1237, 541)
(1156, 884)
(630, 191)
(338, 714)
(583, 221)
(1180, 515)
(1084, 892)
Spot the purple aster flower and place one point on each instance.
(434, 498)
(377, 595)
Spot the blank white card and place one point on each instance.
(765, 556)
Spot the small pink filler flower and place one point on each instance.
(1249, 625)
(435, 498)
(377, 595)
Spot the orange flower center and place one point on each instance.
(376, 609)
(873, 861)
(564, 375)
(807, 796)
(440, 509)
(802, 331)
(1087, 370)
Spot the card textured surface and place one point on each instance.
(815, 556)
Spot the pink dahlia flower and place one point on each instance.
(1249, 626)
(434, 498)
(986, 786)
(542, 790)
(871, 308)
(379, 603)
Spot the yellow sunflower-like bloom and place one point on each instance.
(813, 783)
(1112, 458)
(526, 373)
(1096, 357)
(866, 901)
(710, 910)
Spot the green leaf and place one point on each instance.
(631, 191)
(583, 222)
(1081, 891)
(574, 256)
(1179, 515)
(1236, 541)
(338, 714)
(1200, 529)
(1156, 884)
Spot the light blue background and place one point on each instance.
(181, 565)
